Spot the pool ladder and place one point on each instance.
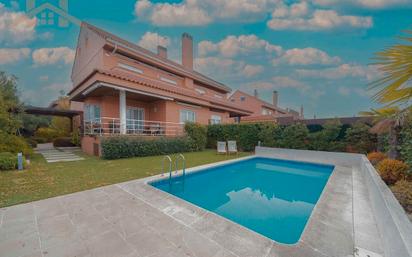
(169, 160)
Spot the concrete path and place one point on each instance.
(62, 154)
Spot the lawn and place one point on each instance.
(43, 180)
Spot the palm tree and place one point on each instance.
(395, 62)
(394, 90)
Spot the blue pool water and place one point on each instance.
(272, 197)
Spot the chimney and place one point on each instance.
(255, 93)
(162, 51)
(275, 98)
(187, 51)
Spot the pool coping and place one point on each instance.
(305, 243)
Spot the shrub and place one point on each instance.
(295, 137)
(47, 133)
(359, 139)
(125, 146)
(392, 171)
(248, 136)
(31, 142)
(63, 142)
(14, 144)
(269, 134)
(403, 192)
(8, 161)
(198, 133)
(40, 140)
(376, 157)
(406, 143)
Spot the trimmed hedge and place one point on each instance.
(198, 133)
(126, 146)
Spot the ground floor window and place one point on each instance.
(92, 112)
(215, 119)
(187, 116)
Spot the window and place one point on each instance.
(168, 80)
(266, 112)
(129, 68)
(218, 96)
(92, 112)
(187, 116)
(134, 120)
(242, 98)
(200, 91)
(215, 119)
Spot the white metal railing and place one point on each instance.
(113, 126)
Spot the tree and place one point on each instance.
(10, 106)
(395, 63)
(389, 120)
(360, 139)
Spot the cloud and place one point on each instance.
(15, 27)
(150, 41)
(372, 4)
(342, 71)
(252, 70)
(305, 56)
(287, 82)
(301, 16)
(278, 82)
(48, 56)
(198, 12)
(233, 46)
(12, 55)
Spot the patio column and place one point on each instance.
(122, 108)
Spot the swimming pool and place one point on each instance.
(269, 196)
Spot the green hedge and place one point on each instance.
(332, 136)
(198, 133)
(126, 146)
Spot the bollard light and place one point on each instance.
(20, 161)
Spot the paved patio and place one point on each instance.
(133, 219)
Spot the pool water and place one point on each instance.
(272, 197)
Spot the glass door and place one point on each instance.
(135, 120)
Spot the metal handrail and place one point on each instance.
(180, 156)
(167, 157)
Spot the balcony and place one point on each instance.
(107, 126)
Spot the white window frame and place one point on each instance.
(89, 110)
(215, 119)
(186, 115)
(168, 81)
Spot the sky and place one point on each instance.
(316, 54)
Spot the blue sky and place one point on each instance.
(315, 53)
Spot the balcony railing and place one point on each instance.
(112, 126)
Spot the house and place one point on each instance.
(122, 88)
(263, 111)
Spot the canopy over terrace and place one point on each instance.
(50, 111)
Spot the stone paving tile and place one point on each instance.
(57, 231)
(233, 237)
(70, 249)
(299, 250)
(109, 244)
(23, 246)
